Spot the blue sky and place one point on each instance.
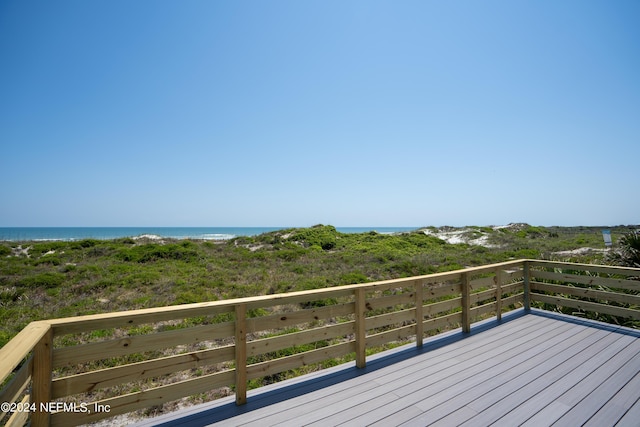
(292, 113)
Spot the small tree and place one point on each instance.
(628, 254)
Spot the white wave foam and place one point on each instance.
(217, 236)
(148, 236)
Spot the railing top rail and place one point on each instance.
(593, 267)
(20, 346)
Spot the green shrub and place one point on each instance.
(8, 294)
(531, 232)
(48, 259)
(628, 252)
(88, 243)
(5, 337)
(291, 254)
(46, 280)
(323, 236)
(154, 252)
(319, 303)
(353, 278)
(125, 241)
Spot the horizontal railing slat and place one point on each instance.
(586, 306)
(511, 288)
(140, 343)
(20, 381)
(283, 320)
(271, 367)
(301, 297)
(512, 275)
(431, 292)
(94, 380)
(124, 319)
(266, 345)
(593, 268)
(396, 334)
(632, 285)
(482, 296)
(387, 285)
(586, 293)
(395, 317)
(482, 282)
(19, 418)
(483, 309)
(142, 399)
(513, 299)
(439, 307)
(443, 321)
(390, 301)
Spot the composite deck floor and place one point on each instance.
(533, 369)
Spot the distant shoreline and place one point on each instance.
(20, 234)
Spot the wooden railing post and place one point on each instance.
(466, 303)
(361, 330)
(419, 288)
(527, 286)
(498, 280)
(241, 354)
(41, 379)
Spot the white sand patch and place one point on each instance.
(482, 241)
(452, 237)
(148, 236)
(580, 251)
(513, 226)
(499, 227)
(19, 251)
(463, 235)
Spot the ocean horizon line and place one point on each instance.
(196, 233)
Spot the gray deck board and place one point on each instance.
(428, 394)
(586, 384)
(582, 365)
(619, 404)
(609, 385)
(631, 417)
(530, 369)
(501, 381)
(530, 385)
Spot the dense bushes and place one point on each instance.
(46, 280)
(322, 236)
(4, 251)
(186, 251)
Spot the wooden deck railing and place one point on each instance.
(78, 370)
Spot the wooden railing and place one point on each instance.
(78, 370)
(586, 288)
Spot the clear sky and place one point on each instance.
(293, 113)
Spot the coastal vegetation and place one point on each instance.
(51, 279)
(627, 253)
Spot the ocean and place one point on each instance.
(204, 233)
